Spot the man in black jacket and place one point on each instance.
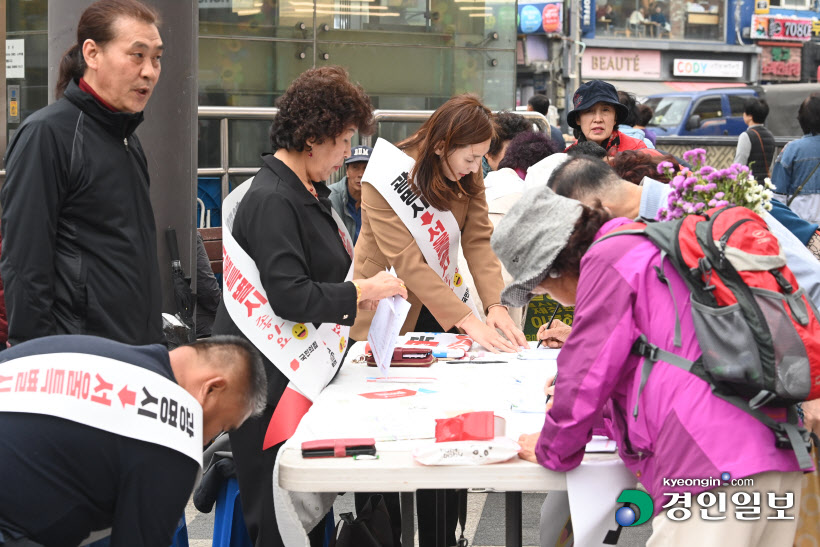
(755, 147)
(95, 434)
(79, 241)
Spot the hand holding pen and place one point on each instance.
(549, 389)
(549, 323)
(554, 333)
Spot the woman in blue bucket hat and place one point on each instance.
(595, 114)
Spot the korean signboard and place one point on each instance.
(587, 17)
(773, 27)
(707, 68)
(623, 64)
(780, 63)
(540, 17)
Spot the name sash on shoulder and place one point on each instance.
(105, 394)
(436, 232)
(306, 355)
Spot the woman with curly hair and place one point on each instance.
(302, 254)
(634, 165)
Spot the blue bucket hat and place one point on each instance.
(592, 92)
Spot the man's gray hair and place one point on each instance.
(229, 352)
(583, 177)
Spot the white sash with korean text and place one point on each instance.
(436, 232)
(306, 355)
(105, 394)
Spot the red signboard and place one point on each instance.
(780, 63)
(774, 27)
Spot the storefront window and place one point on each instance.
(237, 72)
(408, 54)
(461, 23)
(257, 18)
(662, 20)
(27, 33)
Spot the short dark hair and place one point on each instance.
(628, 100)
(758, 109)
(540, 103)
(97, 23)
(808, 115)
(582, 176)
(507, 125)
(634, 165)
(225, 351)
(568, 261)
(587, 148)
(645, 114)
(527, 149)
(320, 104)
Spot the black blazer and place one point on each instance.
(302, 262)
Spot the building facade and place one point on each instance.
(655, 46)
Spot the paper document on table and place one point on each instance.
(384, 329)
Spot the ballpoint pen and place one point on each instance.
(554, 378)
(549, 323)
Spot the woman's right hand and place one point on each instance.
(556, 336)
(486, 336)
(381, 285)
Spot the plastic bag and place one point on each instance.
(497, 450)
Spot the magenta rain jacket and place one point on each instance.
(682, 431)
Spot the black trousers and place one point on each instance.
(254, 473)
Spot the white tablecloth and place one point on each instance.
(513, 390)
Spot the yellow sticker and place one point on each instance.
(300, 331)
(458, 280)
(342, 343)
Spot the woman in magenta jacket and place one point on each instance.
(676, 429)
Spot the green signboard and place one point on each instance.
(540, 310)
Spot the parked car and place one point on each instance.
(700, 113)
(719, 111)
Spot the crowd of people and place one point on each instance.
(506, 213)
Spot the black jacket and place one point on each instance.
(208, 293)
(62, 479)
(761, 156)
(79, 241)
(295, 244)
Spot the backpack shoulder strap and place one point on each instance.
(762, 151)
(802, 184)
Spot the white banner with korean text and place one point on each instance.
(436, 232)
(306, 355)
(106, 394)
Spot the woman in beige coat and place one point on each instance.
(447, 151)
(445, 178)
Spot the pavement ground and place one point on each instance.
(485, 521)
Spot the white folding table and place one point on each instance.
(512, 389)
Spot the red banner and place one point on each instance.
(773, 27)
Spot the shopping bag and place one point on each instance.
(371, 528)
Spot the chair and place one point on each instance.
(229, 524)
(181, 535)
(212, 238)
(204, 221)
